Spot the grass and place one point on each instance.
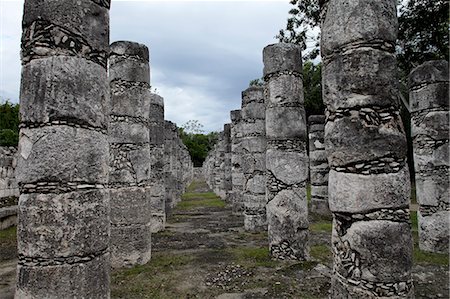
(252, 257)
(8, 235)
(322, 226)
(308, 192)
(321, 253)
(152, 280)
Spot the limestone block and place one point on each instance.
(432, 189)
(288, 167)
(360, 78)
(252, 94)
(129, 70)
(63, 88)
(131, 101)
(434, 231)
(429, 96)
(252, 145)
(253, 111)
(130, 245)
(254, 202)
(86, 279)
(351, 140)
(435, 125)
(317, 157)
(252, 128)
(72, 155)
(253, 162)
(434, 71)
(135, 168)
(278, 117)
(357, 193)
(86, 19)
(284, 90)
(358, 22)
(282, 57)
(287, 212)
(128, 132)
(130, 49)
(319, 176)
(256, 184)
(63, 225)
(378, 262)
(427, 158)
(130, 205)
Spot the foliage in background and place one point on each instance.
(197, 143)
(423, 33)
(9, 124)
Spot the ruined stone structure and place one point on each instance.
(318, 166)
(369, 187)
(9, 190)
(253, 149)
(130, 172)
(62, 165)
(286, 156)
(226, 183)
(429, 103)
(237, 176)
(8, 183)
(157, 184)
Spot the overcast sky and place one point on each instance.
(202, 53)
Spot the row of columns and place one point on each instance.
(98, 167)
(358, 172)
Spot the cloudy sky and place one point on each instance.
(202, 53)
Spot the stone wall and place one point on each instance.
(286, 157)
(369, 186)
(318, 166)
(130, 166)
(237, 176)
(63, 154)
(9, 190)
(429, 103)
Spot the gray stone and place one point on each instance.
(282, 57)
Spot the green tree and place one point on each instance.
(312, 86)
(197, 143)
(9, 124)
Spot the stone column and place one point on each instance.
(158, 196)
(253, 144)
(430, 132)
(169, 165)
(62, 171)
(129, 178)
(237, 176)
(286, 157)
(227, 163)
(369, 187)
(318, 166)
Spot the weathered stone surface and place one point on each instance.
(358, 193)
(430, 132)
(284, 90)
(351, 140)
(127, 205)
(132, 245)
(49, 30)
(253, 147)
(8, 163)
(130, 163)
(434, 231)
(66, 89)
(237, 175)
(288, 167)
(358, 23)
(369, 187)
(65, 225)
(87, 279)
(62, 165)
(287, 217)
(281, 57)
(286, 159)
(278, 117)
(360, 78)
(73, 155)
